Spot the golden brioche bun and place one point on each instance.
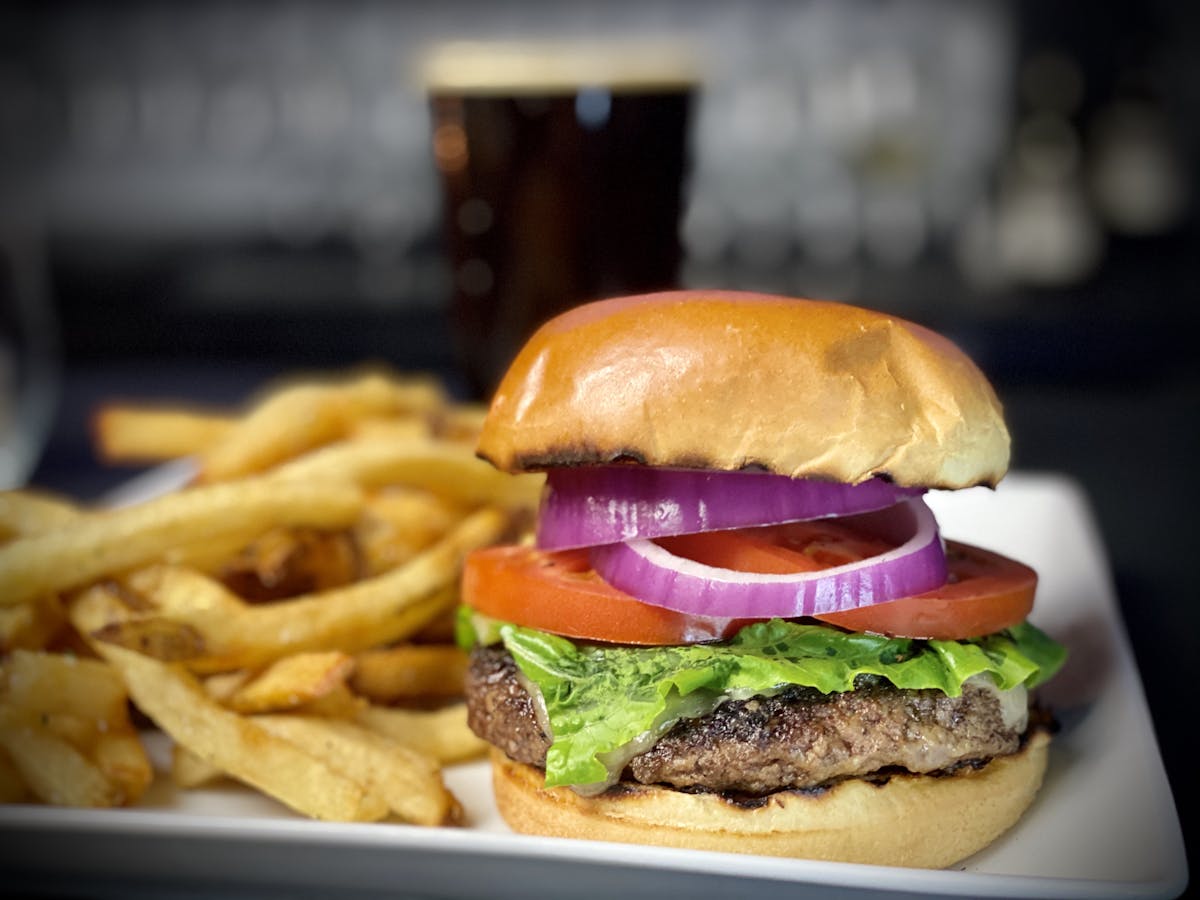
(730, 380)
(919, 821)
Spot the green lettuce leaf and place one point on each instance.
(600, 699)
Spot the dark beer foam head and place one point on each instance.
(555, 67)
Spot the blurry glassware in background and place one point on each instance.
(563, 167)
(28, 355)
(1137, 178)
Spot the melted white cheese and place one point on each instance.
(1014, 703)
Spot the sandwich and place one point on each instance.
(736, 625)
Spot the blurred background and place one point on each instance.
(194, 198)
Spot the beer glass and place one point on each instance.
(562, 169)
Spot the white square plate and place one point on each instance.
(1103, 826)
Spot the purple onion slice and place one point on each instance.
(591, 505)
(915, 565)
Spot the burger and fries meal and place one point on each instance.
(678, 582)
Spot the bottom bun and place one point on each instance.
(920, 821)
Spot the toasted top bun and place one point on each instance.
(905, 820)
(730, 380)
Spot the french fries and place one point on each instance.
(31, 512)
(441, 734)
(190, 771)
(405, 673)
(32, 625)
(54, 770)
(101, 544)
(65, 728)
(449, 469)
(12, 785)
(283, 617)
(177, 703)
(293, 681)
(197, 620)
(409, 782)
(134, 435)
(298, 417)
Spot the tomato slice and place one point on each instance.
(559, 592)
(985, 591)
(778, 549)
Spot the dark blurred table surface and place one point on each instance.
(1130, 434)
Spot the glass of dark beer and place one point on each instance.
(563, 168)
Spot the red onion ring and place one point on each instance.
(917, 564)
(591, 505)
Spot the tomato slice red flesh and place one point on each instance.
(985, 591)
(559, 592)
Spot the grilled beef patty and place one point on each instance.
(798, 738)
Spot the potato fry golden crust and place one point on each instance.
(32, 512)
(448, 469)
(54, 770)
(410, 672)
(101, 544)
(179, 706)
(32, 625)
(125, 434)
(12, 786)
(48, 700)
(293, 681)
(190, 771)
(409, 782)
(232, 634)
(442, 734)
(299, 417)
(316, 534)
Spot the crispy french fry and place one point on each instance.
(439, 631)
(210, 555)
(32, 512)
(450, 470)
(78, 731)
(398, 523)
(190, 771)
(101, 544)
(326, 522)
(286, 562)
(120, 756)
(293, 419)
(33, 625)
(442, 734)
(383, 609)
(339, 703)
(177, 703)
(293, 681)
(125, 434)
(392, 428)
(45, 684)
(410, 783)
(210, 630)
(53, 769)
(222, 686)
(82, 702)
(409, 672)
(97, 605)
(12, 785)
(461, 422)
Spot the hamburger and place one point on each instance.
(738, 627)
